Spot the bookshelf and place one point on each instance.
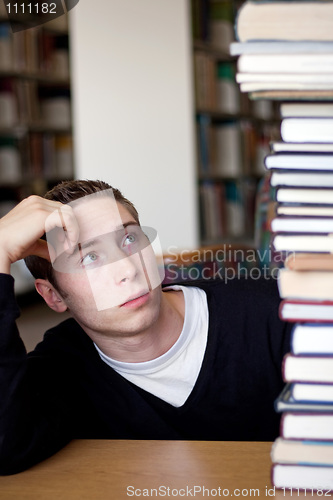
(36, 148)
(35, 109)
(232, 132)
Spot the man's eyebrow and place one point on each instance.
(89, 243)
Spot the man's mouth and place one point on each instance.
(137, 300)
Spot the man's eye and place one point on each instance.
(89, 259)
(129, 240)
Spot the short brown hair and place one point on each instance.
(65, 192)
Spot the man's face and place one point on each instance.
(110, 281)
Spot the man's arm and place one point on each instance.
(31, 403)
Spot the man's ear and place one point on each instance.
(50, 295)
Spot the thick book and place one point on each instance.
(307, 369)
(286, 63)
(301, 109)
(289, 451)
(307, 129)
(282, 224)
(280, 47)
(287, 242)
(286, 401)
(303, 425)
(299, 161)
(296, 178)
(298, 310)
(309, 262)
(284, 21)
(310, 285)
(312, 339)
(305, 195)
(303, 477)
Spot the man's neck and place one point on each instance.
(152, 342)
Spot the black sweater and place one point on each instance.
(63, 390)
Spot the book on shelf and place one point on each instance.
(303, 477)
(290, 451)
(315, 196)
(307, 129)
(280, 47)
(286, 224)
(321, 398)
(306, 310)
(228, 149)
(309, 285)
(312, 338)
(307, 425)
(309, 262)
(301, 179)
(308, 368)
(309, 20)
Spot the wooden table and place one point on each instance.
(103, 470)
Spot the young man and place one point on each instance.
(135, 361)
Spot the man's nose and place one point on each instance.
(126, 268)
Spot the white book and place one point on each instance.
(301, 147)
(305, 210)
(306, 195)
(314, 179)
(307, 130)
(312, 338)
(320, 243)
(301, 477)
(300, 161)
(302, 225)
(274, 78)
(279, 85)
(279, 47)
(307, 426)
(312, 392)
(285, 63)
(308, 109)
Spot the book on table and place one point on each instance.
(289, 451)
(307, 129)
(301, 477)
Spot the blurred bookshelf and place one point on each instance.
(232, 132)
(36, 149)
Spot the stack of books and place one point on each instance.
(276, 63)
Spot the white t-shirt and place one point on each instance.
(172, 376)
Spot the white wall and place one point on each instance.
(133, 111)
